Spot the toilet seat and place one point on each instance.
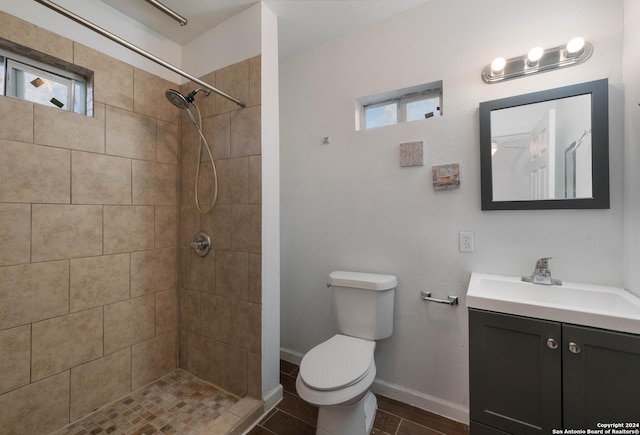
(337, 363)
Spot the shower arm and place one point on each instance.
(62, 11)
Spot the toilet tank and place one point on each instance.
(364, 303)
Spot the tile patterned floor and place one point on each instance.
(293, 416)
(178, 403)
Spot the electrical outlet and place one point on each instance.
(466, 241)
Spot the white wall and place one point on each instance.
(271, 388)
(232, 41)
(349, 205)
(632, 145)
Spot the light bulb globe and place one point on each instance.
(498, 64)
(535, 54)
(575, 45)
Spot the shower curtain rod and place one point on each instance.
(170, 12)
(130, 46)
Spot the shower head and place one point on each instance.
(179, 100)
(182, 102)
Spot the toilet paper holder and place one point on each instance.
(451, 300)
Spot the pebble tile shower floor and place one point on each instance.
(178, 403)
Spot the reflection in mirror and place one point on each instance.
(542, 150)
(546, 150)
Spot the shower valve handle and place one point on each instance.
(201, 244)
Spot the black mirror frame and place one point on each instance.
(599, 90)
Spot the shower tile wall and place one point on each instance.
(220, 295)
(88, 242)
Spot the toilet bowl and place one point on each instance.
(336, 375)
(337, 371)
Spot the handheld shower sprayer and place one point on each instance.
(181, 102)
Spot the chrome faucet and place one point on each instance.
(541, 274)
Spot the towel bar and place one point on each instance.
(451, 300)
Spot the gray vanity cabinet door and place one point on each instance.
(515, 373)
(601, 380)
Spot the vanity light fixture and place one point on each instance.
(538, 60)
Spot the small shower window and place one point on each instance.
(43, 83)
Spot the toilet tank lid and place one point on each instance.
(369, 281)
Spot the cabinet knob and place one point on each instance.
(552, 344)
(574, 347)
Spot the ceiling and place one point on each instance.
(302, 24)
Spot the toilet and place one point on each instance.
(336, 374)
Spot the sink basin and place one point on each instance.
(581, 304)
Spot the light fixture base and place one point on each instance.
(552, 58)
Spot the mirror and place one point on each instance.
(546, 150)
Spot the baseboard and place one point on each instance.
(415, 398)
(291, 356)
(272, 398)
(421, 400)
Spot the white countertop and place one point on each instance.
(577, 303)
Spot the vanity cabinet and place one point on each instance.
(530, 376)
